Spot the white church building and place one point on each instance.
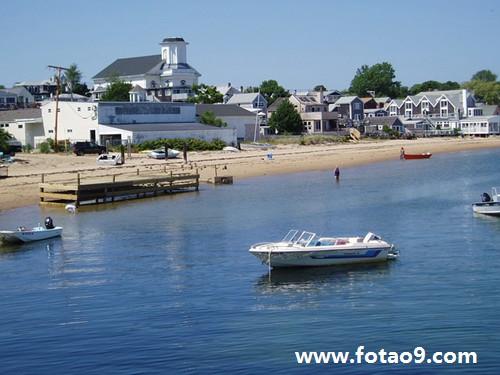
(165, 77)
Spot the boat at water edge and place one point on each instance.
(307, 249)
(424, 155)
(489, 205)
(22, 234)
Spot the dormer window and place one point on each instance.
(183, 82)
(153, 84)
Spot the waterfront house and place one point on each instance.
(348, 108)
(165, 77)
(375, 125)
(23, 124)
(314, 113)
(369, 103)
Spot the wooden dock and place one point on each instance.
(96, 190)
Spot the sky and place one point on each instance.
(298, 43)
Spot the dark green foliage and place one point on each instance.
(193, 144)
(319, 88)
(72, 77)
(488, 92)
(117, 91)
(433, 85)
(4, 137)
(484, 75)
(81, 89)
(271, 90)
(44, 147)
(378, 78)
(286, 119)
(209, 118)
(205, 94)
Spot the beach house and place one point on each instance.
(23, 124)
(314, 112)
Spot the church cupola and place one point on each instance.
(173, 50)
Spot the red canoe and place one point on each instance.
(425, 155)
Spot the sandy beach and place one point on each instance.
(21, 187)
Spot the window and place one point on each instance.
(89, 108)
(51, 131)
(78, 109)
(20, 126)
(408, 105)
(6, 125)
(58, 109)
(70, 130)
(183, 82)
(49, 110)
(357, 106)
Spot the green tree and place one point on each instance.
(4, 137)
(286, 119)
(486, 91)
(117, 91)
(251, 89)
(319, 88)
(72, 77)
(205, 94)
(2, 87)
(82, 89)
(209, 118)
(271, 90)
(378, 78)
(433, 85)
(484, 75)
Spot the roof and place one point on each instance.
(346, 100)
(155, 127)
(130, 66)
(490, 110)
(384, 99)
(366, 100)
(224, 89)
(383, 120)
(28, 113)
(177, 39)
(44, 82)
(223, 110)
(244, 98)
(307, 99)
(274, 106)
(137, 88)
(7, 92)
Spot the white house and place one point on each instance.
(235, 117)
(167, 76)
(227, 91)
(253, 102)
(117, 121)
(480, 125)
(23, 124)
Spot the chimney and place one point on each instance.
(320, 95)
(241, 88)
(229, 84)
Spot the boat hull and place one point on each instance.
(29, 235)
(417, 156)
(316, 258)
(487, 208)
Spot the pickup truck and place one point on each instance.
(82, 148)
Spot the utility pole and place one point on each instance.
(58, 91)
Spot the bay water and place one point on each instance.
(167, 286)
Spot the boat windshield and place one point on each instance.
(305, 238)
(495, 194)
(291, 236)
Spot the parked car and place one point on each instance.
(82, 148)
(13, 146)
(160, 154)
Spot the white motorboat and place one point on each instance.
(489, 205)
(307, 249)
(110, 159)
(160, 154)
(23, 234)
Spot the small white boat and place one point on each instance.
(230, 149)
(110, 159)
(307, 249)
(23, 234)
(489, 205)
(160, 154)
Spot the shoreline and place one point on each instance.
(21, 188)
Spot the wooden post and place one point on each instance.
(113, 189)
(215, 170)
(137, 171)
(42, 189)
(78, 180)
(197, 179)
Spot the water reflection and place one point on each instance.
(296, 280)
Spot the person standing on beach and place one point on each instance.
(402, 153)
(337, 173)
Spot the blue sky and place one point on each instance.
(298, 43)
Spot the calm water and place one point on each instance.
(167, 285)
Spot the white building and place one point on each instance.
(167, 76)
(23, 124)
(117, 121)
(238, 118)
(480, 125)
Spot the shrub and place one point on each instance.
(44, 147)
(193, 144)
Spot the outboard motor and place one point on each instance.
(485, 197)
(49, 224)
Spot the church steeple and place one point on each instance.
(173, 50)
